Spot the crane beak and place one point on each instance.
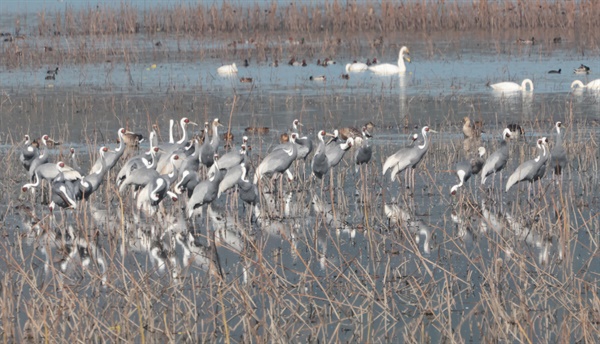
(192, 123)
(432, 131)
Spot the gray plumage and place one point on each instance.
(497, 161)
(320, 163)
(169, 149)
(558, 155)
(152, 194)
(189, 180)
(335, 151)
(139, 178)
(408, 156)
(28, 153)
(205, 192)
(90, 183)
(468, 168)
(191, 162)
(248, 191)
(111, 158)
(531, 170)
(305, 143)
(279, 160)
(364, 152)
(215, 139)
(65, 193)
(146, 160)
(232, 158)
(230, 179)
(207, 152)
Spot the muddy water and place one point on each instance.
(440, 268)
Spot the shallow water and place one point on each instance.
(494, 261)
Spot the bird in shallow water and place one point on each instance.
(496, 161)
(531, 170)
(466, 169)
(408, 156)
(558, 156)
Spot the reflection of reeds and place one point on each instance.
(378, 285)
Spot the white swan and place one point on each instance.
(592, 85)
(227, 69)
(356, 67)
(388, 68)
(508, 86)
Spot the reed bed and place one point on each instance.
(126, 34)
(304, 277)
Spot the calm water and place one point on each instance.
(90, 102)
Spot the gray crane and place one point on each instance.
(305, 143)
(153, 193)
(74, 162)
(90, 183)
(531, 170)
(279, 160)
(65, 193)
(138, 161)
(191, 162)
(335, 151)
(230, 179)
(189, 180)
(248, 191)
(408, 156)
(215, 139)
(364, 152)
(205, 192)
(232, 158)
(558, 156)
(466, 169)
(40, 158)
(111, 157)
(496, 162)
(169, 148)
(28, 152)
(207, 152)
(320, 163)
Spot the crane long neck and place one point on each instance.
(425, 144)
(171, 125)
(214, 140)
(183, 133)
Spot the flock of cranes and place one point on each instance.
(195, 169)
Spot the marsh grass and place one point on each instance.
(307, 280)
(275, 31)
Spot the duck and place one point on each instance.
(592, 85)
(509, 86)
(245, 79)
(318, 78)
(516, 131)
(471, 129)
(346, 76)
(227, 69)
(388, 68)
(583, 69)
(52, 71)
(526, 41)
(554, 71)
(257, 130)
(246, 64)
(299, 64)
(132, 139)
